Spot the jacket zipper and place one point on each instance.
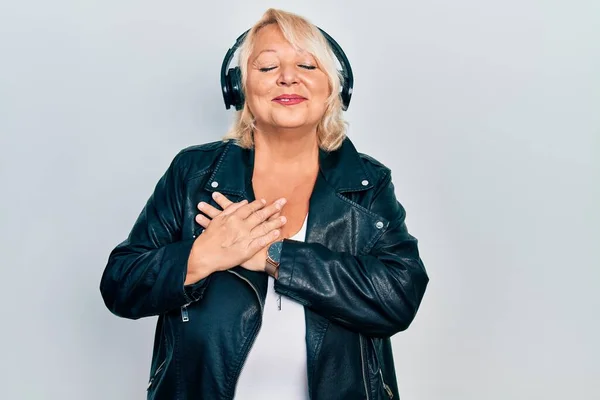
(259, 322)
(160, 367)
(385, 385)
(362, 364)
(253, 288)
(185, 316)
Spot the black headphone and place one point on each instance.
(231, 80)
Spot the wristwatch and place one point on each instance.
(273, 259)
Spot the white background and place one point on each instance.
(486, 111)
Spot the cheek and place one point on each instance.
(257, 88)
(260, 99)
(319, 86)
(259, 85)
(263, 88)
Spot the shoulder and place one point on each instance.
(202, 150)
(373, 163)
(375, 167)
(200, 158)
(348, 163)
(385, 202)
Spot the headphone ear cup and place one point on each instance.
(226, 90)
(235, 88)
(346, 92)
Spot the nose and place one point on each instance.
(288, 75)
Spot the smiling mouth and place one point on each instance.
(289, 99)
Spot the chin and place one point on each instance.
(290, 123)
(293, 120)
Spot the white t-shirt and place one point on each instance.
(276, 365)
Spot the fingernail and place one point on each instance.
(283, 219)
(201, 204)
(215, 195)
(263, 201)
(281, 202)
(276, 233)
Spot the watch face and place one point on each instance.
(274, 251)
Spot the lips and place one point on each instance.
(289, 99)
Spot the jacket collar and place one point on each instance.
(342, 169)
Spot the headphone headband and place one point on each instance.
(231, 78)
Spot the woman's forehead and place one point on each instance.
(276, 51)
(270, 39)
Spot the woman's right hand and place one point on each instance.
(234, 236)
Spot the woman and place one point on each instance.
(277, 260)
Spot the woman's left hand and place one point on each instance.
(256, 262)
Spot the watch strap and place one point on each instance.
(271, 268)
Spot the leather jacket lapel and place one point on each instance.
(332, 216)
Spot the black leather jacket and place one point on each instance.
(358, 274)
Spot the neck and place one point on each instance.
(286, 148)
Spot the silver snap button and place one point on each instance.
(214, 184)
(379, 224)
(194, 236)
(365, 182)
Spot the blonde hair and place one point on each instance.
(301, 34)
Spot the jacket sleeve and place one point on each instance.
(145, 273)
(377, 294)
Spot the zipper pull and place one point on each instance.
(184, 313)
(385, 385)
(388, 390)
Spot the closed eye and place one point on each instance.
(305, 66)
